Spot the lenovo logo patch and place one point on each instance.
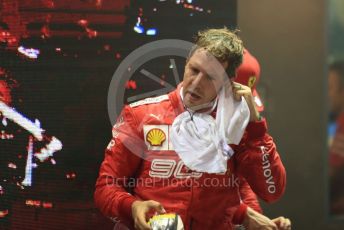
(267, 171)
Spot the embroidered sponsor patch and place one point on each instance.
(157, 137)
(271, 187)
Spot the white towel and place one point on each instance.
(202, 141)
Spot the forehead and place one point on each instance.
(204, 60)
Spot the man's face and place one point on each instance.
(203, 77)
(335, 92)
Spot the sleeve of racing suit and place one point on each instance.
(248, 197)
(122, 160)
(239, 214)
(259, 162)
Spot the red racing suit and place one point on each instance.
(248, 198)
(141, 149)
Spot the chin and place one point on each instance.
(189, 105)
(193, 106)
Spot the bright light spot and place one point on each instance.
(71, 175)
(34, 203)
(53, 146)
(139, 29)
(83, 22)
(29, 52)
(52, 160)
(47, 205)
(3, 213)
(22, 121)
(12, 165)
(138, 21)
(4, 121)
(151, 32)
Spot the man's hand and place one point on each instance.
(240, 90)
(282, 223)
(256, 221)
(140, 209)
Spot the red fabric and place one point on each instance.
(248, 196)
(190, 194)
(240, 214)
(248, 199)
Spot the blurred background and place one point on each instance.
(57, 58)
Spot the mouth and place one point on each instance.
(194, 96)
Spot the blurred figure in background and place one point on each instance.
(336, 136)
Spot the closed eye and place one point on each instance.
(209, 77)
(194, 70)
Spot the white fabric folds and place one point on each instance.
(202, 141)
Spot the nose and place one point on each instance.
(197, 80)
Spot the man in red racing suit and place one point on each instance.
(141, 149)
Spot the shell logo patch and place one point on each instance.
(156, 137)
(251, 81)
